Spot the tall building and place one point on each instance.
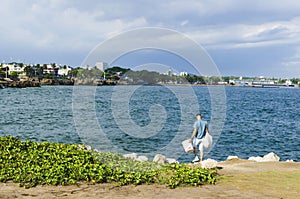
(169, 72)
(101, 66)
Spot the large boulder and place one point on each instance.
(171, 161)
(142, 158)
(271, 157)
(159, 158)
(289, 160)
(131, 156)
(256, 159)
(47, 82)
(231, 157)
(209, 164)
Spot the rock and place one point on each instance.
(23, 84)
(232, 157)
(271, 157)
(131, 156)
(289, 160)
(159, 158)
(84, 147)
(88, 147)
(209, 164)
(57, 82)
(256, 159)
(65, 82)
(142, 158)
(171, 161)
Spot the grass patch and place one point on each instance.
(280, 184)
(31, 163)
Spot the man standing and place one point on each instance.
(200, 130)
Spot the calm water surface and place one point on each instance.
(258, 121)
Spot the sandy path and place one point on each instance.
(239, 179)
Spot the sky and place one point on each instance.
(243, 38)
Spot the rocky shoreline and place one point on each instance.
(32, 82)
(207, 163)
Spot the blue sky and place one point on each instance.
(244, 38)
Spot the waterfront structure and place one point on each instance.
(64, 70)
(266, 83)
(50, 69)
(14, 67)
(20, 68)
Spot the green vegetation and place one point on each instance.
(14, 74)
(125, 75)
(31, 163)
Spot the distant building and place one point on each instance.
(288, 82)
(183, 73)
(47, 69)
(222, 83)
(170, 72)
(64, 70)
(57, 69)
(14, 67)
(101, 66)
(51, 69)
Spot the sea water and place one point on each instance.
(257, 120)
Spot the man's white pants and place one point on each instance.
(197, 142)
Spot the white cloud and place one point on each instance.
(63, 26)
(58, 25)
(247, 36)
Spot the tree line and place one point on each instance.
(118, 73)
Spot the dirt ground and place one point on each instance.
(238, 179)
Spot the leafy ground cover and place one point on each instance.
(31, 163)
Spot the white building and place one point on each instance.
(169, 72)
(64, 70)
(57, 69)
(288, 82)
(101, 66)
(14, 67)
(183, 73)
(49, 69)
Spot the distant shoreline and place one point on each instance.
(23, 83)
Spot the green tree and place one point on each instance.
(21, 65)
(39, 71)
(44, 66)
(29, 71)
(2, 73)
(14, 74)
(53, 65)
(295, 80)
(74, 72)
(49, 76)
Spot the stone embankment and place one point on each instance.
(32, 82)
(56, 82)
(19, 83)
